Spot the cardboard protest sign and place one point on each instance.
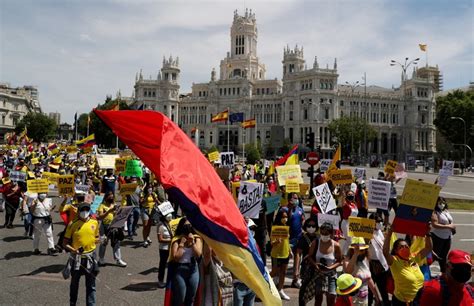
(416, 207)
(120, 164)
(272, 203)
(331, 219)
(448, 165)
(250, 199)
(400, 172)
(96, 203)
(304, 189)
(121, 216)
(379, 193)
(359, 174)
(106, 161)
(174, 225)
(390, 167)
(133, 168)
(213, 156)
(126, 189)
(18, 176)
(324, 198)
(292, 185)
(166, 208)
(341, 176)
(37, 186)
(66, 184)
(361, 227)
(227, 159)
(235, 186)
(82, 188)
(324, 164)
(289, 172)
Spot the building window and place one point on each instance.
(326, 113)
(239, 44)
(341, 103)
(305, 115)
(3, 119)
(291, 116)
(173, 76)
(423, 119)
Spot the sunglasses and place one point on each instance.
(311, 226)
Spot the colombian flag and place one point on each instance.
(222, 116)
(89, 141)
(251, 123)
(191, 181)
(291, 158)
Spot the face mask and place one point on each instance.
(169, 217)
(284, 220)
(41, 197)
(150, 190)
(461, 273)
(296, 202)
(84, 214)
(441, 206)
(325, 238)
(404, 253)
(379, 225)
(310, 230)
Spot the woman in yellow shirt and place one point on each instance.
(406, 273)
(106, 213)
(147, 204)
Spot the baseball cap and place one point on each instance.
(347, 284)
(459, 257)
(359, 241)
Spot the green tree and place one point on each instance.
(351, 131)
(39, 127)
(82, 124)
(456, 104)
(252, 153)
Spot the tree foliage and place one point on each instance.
(252, 153)
(351, 130)
(456, 104)
(39, 127)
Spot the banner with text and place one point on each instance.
(361, 227)
(379, 193)
(289, 172)
(66, 184)
(341, 176)
(250, 199)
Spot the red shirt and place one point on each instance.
(347, 209)
(432, 295)
(343, 300)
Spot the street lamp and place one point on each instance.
(353, 86)
(465, 139)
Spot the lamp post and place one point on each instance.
(465, 139)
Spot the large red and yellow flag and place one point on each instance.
(191, 181)
(222, 116)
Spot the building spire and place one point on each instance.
(335, 63)
(315, 64)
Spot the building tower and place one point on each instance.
(169, 89)
(293, 60)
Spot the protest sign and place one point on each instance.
(227, 159)
(304, 189)
(82, 188)
(54, 151)
(289, 172)
(272, 203)
(420, 194)
(280, 231)
(34, 161)
(400, 172)
(379, 193)
(120, 164)
(106, 161)
(235, 186)
(324, 164)
(359, 174)
(121, 216)
(250, 199)
(341, 176)
(18, 176)
(361, 227)
(96, 203)
(126, 189)
(213, 156)
(324, 198)
(166, 208)
(133, 168)
(72, 156)
(66, 184)
(37, 186)
(51, 177)
(390, 167)
(292, 185)
(443, 177)
(280, 250)
(448, 165)
(331, 219)
(267, 163)
(174, 225)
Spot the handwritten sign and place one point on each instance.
(126, 189)
(106, 161)
(324, 198)
(331, 219)
(324, 164)
(227, 159)
(448, 165)
(37, 186)
(292, 185)
(341, 177)
(361, 227)
(18, 176)
(82, 188)
(289, 172)
(213, 156)
(66, 184)
(379, 193)
(250, 199)
(390, 167)
(120, 164)
(359, 174)
(443, 177)
(420, 194)
(166, 208)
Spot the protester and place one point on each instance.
(442, 230)
(407, 276)
(147, 203)
(164, 239)
(42, 222)
(361, 198)
(378, 264)
(26, 212)
(133, 200)
(108, 182)
(349, 209)
(13, 194)
(281, 253)
(347, 286)
(302, 249)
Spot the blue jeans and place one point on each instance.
(243, 295)
(185, 284)
(27, 221)
(90, 284)
(132, 225)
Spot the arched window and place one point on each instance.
(237, 73)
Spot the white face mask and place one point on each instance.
(169, 217)
(441, 206)
(310, 230)
(325, 238)
(379, 225)
(84, 214)
(41, 197)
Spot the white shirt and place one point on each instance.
(163, 230)
(376, 248)
(444, 218)
(42, 208)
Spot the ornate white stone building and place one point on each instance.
(305, 100)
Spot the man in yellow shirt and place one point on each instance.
(80, 239)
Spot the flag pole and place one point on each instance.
(75, 123)
(88, 122)
(243, 144)
(228, 132)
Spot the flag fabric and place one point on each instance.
(423, 47)
(251, 123)
(194, 184)
(335, 159)
(52, 146)
(236, 117)
(284, 159)
(89, 141)
(222, 116)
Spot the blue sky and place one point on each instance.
(77, 52)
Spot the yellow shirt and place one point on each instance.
(149, 203)
(110, 216)
(407, 277)
(83, 234)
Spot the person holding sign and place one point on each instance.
(106, 213)
(281, 251)
(406, 273)
(349, 209)
(42, 222)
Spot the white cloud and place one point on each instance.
(85, 37)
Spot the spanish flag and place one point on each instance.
(291, 158)
(251, 123)
(222, 116)
(194, 184)
(89, 141)
(423, 47)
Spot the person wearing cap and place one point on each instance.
(41, 212)
(347, 286)
(80, 240)
(451, 288)
(357, 264)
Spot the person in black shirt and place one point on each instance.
(108, 182)
(302, 249)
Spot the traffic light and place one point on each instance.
(309, 141)
(311, 172)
